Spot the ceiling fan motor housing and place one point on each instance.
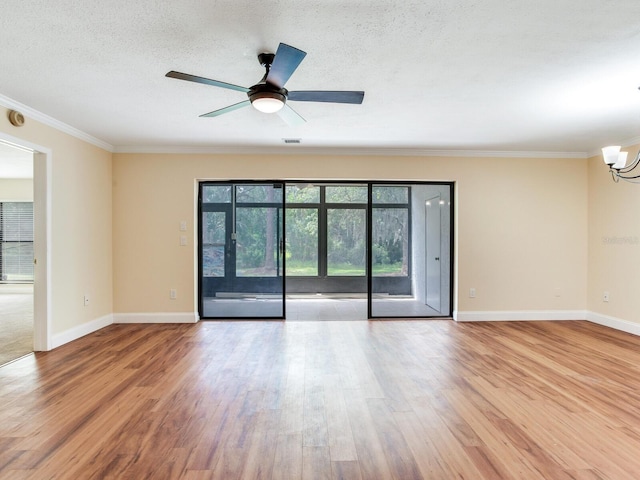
(266, 59)
(266, 90)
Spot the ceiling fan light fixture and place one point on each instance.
(610, 154)
(622, 161)
(268, 102)
(618, 167)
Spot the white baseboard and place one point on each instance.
(182, 317)
(469, 316)
(74, 333)
(527, 315)
(613, 322)
(520, 315)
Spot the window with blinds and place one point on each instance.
(16, 241)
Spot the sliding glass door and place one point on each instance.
(389, 242)
(242, 250)
(410, 255)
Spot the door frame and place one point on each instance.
(230, 278)
(369, 209)
(452, 223)
(42, 207)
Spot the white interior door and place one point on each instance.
(433, 239)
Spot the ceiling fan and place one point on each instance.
(269, 95)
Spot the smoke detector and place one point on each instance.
(16, 118)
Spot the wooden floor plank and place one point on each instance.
(316, 463)
(259, 454)
(425, 453)
(289, 459)
(345, 471)
(436, 433)
(339, 433)
(398, 454)
(369, 448)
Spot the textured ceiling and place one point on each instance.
(549, 75)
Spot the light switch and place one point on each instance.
(183, 240)
(183, 226)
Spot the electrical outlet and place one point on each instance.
(472, 293)
(86, 300)
(605, 297)
(173, 294)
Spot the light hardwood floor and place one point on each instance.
(16, 321)
(327, 400)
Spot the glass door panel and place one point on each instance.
(242, 250)
(411, 249)
(257, 242)
(214, 240)
(390, 242)
(346, 242)
(346, 194)
(302, 242)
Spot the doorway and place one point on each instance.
(326, 251)
(242, 245)
(351, 249)
(16, 253)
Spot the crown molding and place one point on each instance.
(53, 123)
(351, 151)
(292, 149)
(629, 142)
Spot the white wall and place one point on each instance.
(614, 248)
(16, 189)
(521, 231)
(80, 237)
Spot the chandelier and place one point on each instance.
(617, 163)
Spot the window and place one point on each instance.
(326, 230)
(390, 230)
(16, 241)
(327, 237)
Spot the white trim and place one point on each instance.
(613, 322)
(352, 151)
(546, 315)
(42, 201)
(52, 122)
(79, 331)
(629, 142)
(293, 149)
(182, 317)
(520, 315)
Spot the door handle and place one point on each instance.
(281, 246)
(437, 259)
